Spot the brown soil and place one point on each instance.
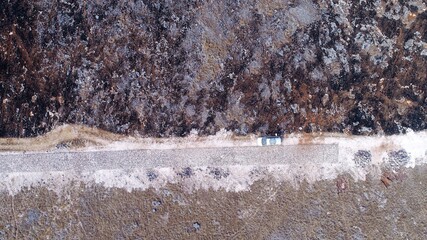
(358, 210)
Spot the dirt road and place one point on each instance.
(155, 158)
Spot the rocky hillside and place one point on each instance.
(256, 66)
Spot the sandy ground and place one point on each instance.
(331, 209)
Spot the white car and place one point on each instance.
(266, 141)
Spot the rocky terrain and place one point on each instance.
(162, 68)
(176, 68)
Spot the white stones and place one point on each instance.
(305, 13)
(325, 99)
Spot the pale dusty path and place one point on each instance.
(58, 159)
(155, 158)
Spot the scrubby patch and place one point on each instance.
(186, 172)
(152, 175)
(197, 226)
(397, 159)
(218, 173)
(156, 204)
(362, 158)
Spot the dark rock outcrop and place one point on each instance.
(164, 68)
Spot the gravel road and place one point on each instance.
(154, 158)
